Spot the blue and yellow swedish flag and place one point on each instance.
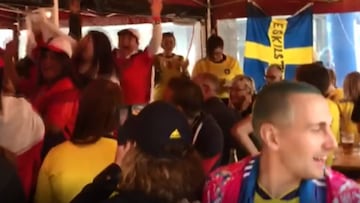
(288, 42)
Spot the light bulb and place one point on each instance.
(48, 14)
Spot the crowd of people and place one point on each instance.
(81, 122)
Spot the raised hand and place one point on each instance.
(156, 7)
(74, 6)
(11, 49)
(122, 150)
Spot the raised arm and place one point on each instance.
(156, 8)
(10, 73)
(75, 20)
(241, 132)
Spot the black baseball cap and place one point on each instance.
(156, 129)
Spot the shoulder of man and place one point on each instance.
(340, 188)
(223, 185)
(201, 62)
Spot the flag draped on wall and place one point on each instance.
(287, 42)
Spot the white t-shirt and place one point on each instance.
(21, 127)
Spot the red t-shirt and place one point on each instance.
(135, 77)
(2, 64)
(29, 86)
(58, 104)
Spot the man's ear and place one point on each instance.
(269, 136)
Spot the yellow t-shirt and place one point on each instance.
(335, 126)
(225, 70)
(261, 196)
(346, 124)
(168, 67)
(68, 168)
(336, 95)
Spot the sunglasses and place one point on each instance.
(270, 77)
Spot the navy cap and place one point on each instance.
(156, 129)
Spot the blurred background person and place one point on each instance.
(207, 138)
(93, 58)
(224, 116)
(225, 67)
(168, 65)
(334, 93)
(274, 73)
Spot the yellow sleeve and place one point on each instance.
(43, 188)
(237, 69)
(197, 68)
(335, 125)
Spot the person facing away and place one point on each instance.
(216, 62)
(135, 66)
(208, 138)
(155, 163)
(71, 165)
(293, 121)
(224, 116)
(168, 65)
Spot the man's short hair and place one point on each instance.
(209, 78)
(213, 43)
(272, 103)
(274, 65)
(314, 74)
(187, 95)
(168, 34)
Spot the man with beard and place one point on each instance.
(135, 66)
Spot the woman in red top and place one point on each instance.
(57, 98)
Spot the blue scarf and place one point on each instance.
(309, 191)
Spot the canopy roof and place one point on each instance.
(112, 12)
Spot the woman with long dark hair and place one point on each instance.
(93, 58)
(74, 163)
